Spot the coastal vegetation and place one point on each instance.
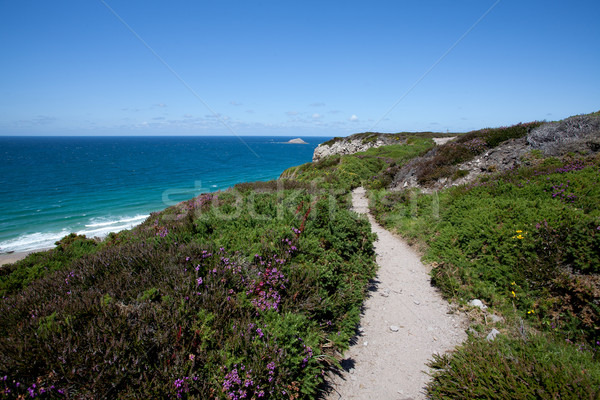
(444, 161)
(241, 294)
(369, 137)
(527, 243)
(253, 292)
(374, 167)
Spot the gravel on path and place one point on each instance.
(405, 321)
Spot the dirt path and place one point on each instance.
(405, 321)
(441, 141)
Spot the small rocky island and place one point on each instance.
(296, 141)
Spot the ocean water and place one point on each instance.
(52, 186)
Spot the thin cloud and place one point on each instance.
(317, 104)
(353, 118)
(292, 113)
(43, 120)
(316, 116)
(38, 120)
(235, 103)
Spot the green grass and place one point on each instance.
(513, 368)
(15, 277)
(239, 294)
(527, 243)
(252, 292)
(443, 163)
(367, 137)
(373, 168)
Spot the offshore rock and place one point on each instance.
(296, 141)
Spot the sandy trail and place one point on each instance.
(405, 321)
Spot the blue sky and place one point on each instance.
(324, 68)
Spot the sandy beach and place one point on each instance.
(9, 258)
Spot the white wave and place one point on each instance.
(45, 240)
(137, 219)
(101, 229)
(32, 241)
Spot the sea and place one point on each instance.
(52, 186)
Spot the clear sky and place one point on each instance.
(325, 68)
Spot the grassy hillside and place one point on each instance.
(527, 243)
(242, 294)
(375, 167)
(253, 292)
(246, 293)
(443, 162)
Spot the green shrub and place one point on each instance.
(529, 238)
(514, 369)
(249, 291)
(464, 148)
(14, 277)
(373, 168)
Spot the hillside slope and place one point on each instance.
(255, 291)
(524, 240)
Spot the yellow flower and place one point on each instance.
(513, 283)
(520, 237)
(519, 231)
(531, 312)
(513, 293)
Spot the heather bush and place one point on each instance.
(529, 238)
(527, 243)
(443, 160)
(14, 277)
(239, 294)
(513, 368)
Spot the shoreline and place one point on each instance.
(10, 258)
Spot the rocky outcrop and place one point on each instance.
(356, 143)
(579, 135)
(508, 155)
(344, 147)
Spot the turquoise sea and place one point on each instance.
(51, 186)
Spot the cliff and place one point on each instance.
(356, 143)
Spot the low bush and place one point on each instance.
(14, 277)
(527, 243)
(513, 368)
(239, 294)
(538, 227)
(465, 147)
(373, 168)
